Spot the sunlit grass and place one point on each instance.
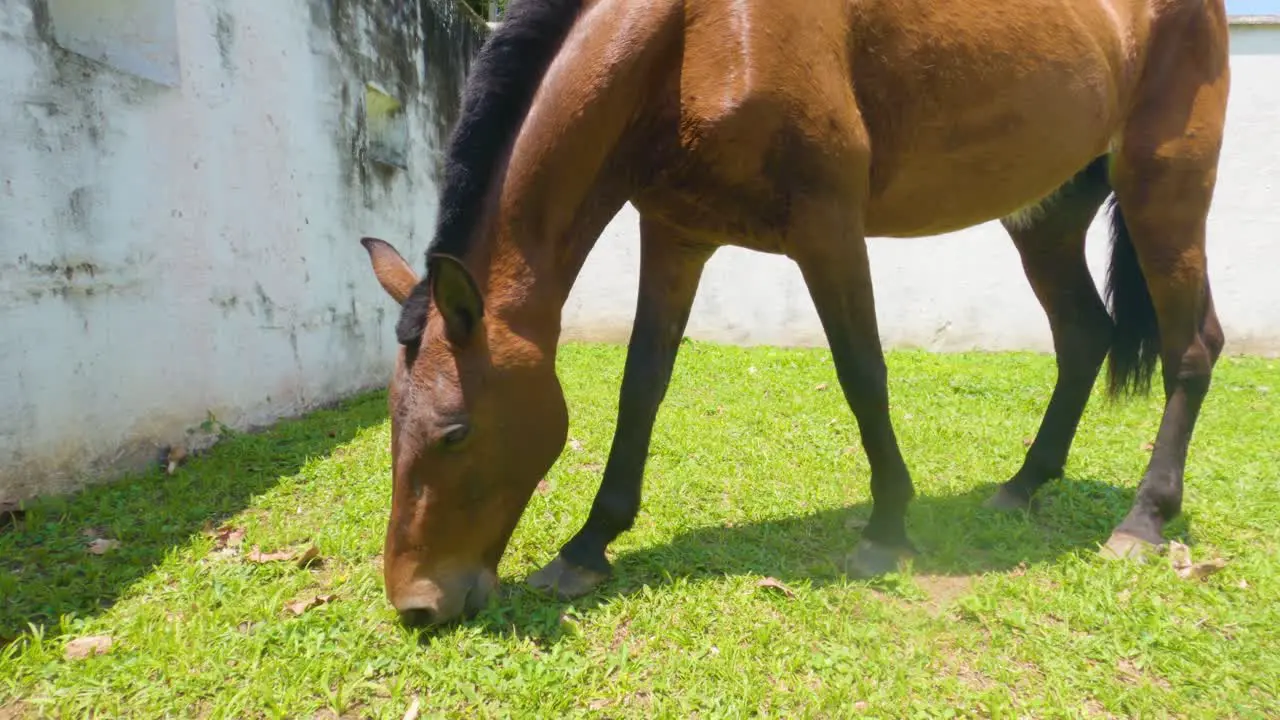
(755, 472)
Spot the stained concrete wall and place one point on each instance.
(966, 290)
(181, 197)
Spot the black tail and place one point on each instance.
(1135, 341)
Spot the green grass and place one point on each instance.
(755, 472)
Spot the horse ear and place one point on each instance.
(456, 296)
(393, 273)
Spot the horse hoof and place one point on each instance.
(564, 580)
(1006, 501)
(871, 559)
(1123, 546)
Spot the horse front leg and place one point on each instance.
(827, 244)
(670, 269)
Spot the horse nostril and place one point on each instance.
(418, 617)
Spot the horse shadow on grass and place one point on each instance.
(46, 569)
(956, 536)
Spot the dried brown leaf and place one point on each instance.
(771, 583)
(1179, 554)
(310, 556)
(102, 546)
(1148, 447)
(300, 606)
(175, 458)
(1202, 570)
(1180, 559)
(575, 444)
(412, 712)
(820, 387)
(257, 556)
(1026, 441)
(84, 647)
(10, 514)
(544, 487)
(227, 536)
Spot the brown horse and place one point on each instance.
(796, 128)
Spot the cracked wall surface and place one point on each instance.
(174, 249)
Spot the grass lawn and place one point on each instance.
(755, 473)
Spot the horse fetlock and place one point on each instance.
(1125, 546)
(1008, 499)
(566, 581)
(871, 559)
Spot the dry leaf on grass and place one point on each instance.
(575, 444)
(771, 583)
(257, 556)
(84, 647)
(544, 487)
(225, 536)
(1148, 446)
(175, 457)
(306, 557)
(820, 387)
(412, 712)
(1180, 559)
(102, 546)
(10, 514)
(310, 556)
(300, 606)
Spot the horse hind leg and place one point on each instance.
(1164, 176)
(1050, 239)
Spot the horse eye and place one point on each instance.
(454, 435)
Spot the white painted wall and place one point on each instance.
(966, 290)
(169, 250)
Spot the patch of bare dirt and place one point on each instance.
(13, 711)
(956, 662)
(1132, 674)
(1095, 709)
(943, 590)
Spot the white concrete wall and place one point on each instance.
(188, 244)
(966, 290)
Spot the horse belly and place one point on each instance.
(981, 112)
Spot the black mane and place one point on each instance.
(499, 91)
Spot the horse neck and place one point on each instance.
(571, 168)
